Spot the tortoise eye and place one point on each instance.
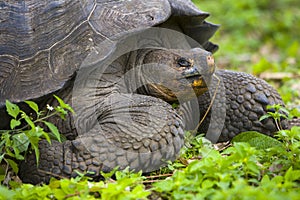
(183, 62)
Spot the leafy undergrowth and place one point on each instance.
(266, 40)
(240, 171)
(253, 166)
(25, 133)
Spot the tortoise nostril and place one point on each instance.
(210, 60)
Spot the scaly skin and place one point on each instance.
(242, 99)
(113, 127)
(118, 145)
(143, 131)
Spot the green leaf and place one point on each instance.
(264, 117)
(33, 106)
(28, 120)
(12, 109)
(283, 109)
(262, 65)
(258, 140)
(108, 175)
(2, 178)
(13, 165)
(295, 130)
(54, 130)
(63, 104)
(254, 168)
(14, 123)
(36, 151)
(6, 193)
(34, 141)
(17, 154)
(265, 180)
(62, 112)
(164, 186)
(292, 175)
(47, 137)
(295, 112)
(21, 141)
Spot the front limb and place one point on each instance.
(138, 131)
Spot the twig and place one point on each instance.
(210, 105)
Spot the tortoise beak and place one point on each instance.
(205, 65)
(203, 69)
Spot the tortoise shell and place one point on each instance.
(43, 43)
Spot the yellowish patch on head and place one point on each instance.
(198, 83)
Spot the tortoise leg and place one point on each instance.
(133, 130)
(241, 99)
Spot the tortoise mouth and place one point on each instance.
(197, 81)
(198, 84)
(184, 88)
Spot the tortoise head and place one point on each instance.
(175, 74)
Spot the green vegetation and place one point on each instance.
(259, 37)
(26, 132)
(253, 166)
(240, 171)
(126, 186)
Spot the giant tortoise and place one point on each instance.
(123, 101)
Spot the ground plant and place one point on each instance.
(258, 37)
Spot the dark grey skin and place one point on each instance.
(137, 129)
(120, 120)
(243, 101)
(138, 145)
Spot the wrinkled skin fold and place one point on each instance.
(115, 127)
(137, 129)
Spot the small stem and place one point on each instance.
(15, 131)
(280, 125)
(209, 107)
(159, 175)
(46, 117)
(277, 125)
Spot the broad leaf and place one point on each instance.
(33, 106)
(258, 140)
(54, 130)
(292, 175)
(13, 165)
(12, 109)
(21, 141)
(264, 117)
(34, 144)
(63, 104)
(14, 123)
(28, 120)
(17, 154)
